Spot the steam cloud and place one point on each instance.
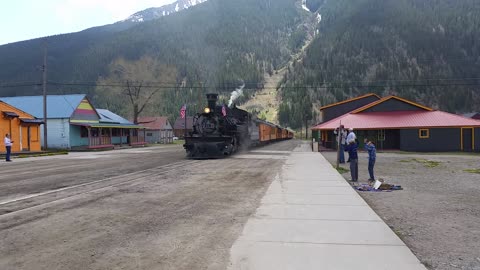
(235, 94)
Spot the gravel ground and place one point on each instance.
(138, 209)
(437, 214)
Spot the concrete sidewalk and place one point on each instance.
(311, 218)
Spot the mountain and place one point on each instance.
(157, 12)
(214, 46)
(425, 51)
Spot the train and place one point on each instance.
(221, 131)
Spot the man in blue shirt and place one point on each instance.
(372, 156)
(352, 147)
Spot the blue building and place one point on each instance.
(72, 122)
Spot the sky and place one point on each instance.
(27, 19)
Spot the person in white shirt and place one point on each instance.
(8, 146)
(350, 137)
(341, 136)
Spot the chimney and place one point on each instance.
(212, 101)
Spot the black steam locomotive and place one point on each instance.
(221, 131)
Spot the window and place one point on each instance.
(83, 132)
(381, 135)
(94, 132)
(424, 133)
(149, 134)
(116, 132)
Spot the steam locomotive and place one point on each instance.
(220, 131)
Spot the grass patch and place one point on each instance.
(427, 163)
(434, 153)
(427, 264)
(43, 154)
(342, 170)
(472, 171)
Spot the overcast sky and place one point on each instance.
(27, 19)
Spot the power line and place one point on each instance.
(349, 84)
(335, 84)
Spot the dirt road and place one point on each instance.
(135, 209)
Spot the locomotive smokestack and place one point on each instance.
(212, 101)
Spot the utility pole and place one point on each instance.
(200, 109)
(45, 145)
(339, 141)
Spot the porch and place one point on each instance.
(105, 136)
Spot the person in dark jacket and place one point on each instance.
(352, 148)
(372, 156)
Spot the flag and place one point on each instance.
(224, 110)
(183, 111)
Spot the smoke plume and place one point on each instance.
(235, 94)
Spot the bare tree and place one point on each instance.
(135, 83)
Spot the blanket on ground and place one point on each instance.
(383, 187)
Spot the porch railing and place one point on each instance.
(100, 141)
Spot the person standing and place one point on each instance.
(8, 146)
(352, 147)
(341, 139)
(351, 137)
(372, 156)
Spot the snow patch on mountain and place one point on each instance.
(157, 12)
(304, 5)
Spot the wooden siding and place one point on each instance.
(341, 109)
(157, 136)
(85, 113)
(477, 139)
(388, 139)
(393, 105)
(18, 131)
(440, 140)
(58, 133)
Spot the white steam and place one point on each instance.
(235, 94)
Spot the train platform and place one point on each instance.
(311, 218)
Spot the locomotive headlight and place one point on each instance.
(207, 110)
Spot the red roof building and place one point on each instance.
(159, 129)
(179, 126)
(397, 123)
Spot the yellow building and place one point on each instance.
(23, 128)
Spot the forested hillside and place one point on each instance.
(426, 51)
(219, 44)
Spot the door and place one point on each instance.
(467, 139)
(25, 138)
(29, 136)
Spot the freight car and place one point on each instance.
(221, 131)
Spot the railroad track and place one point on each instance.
(44, 199)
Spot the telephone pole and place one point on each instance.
(200, 91)
(45, 145)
